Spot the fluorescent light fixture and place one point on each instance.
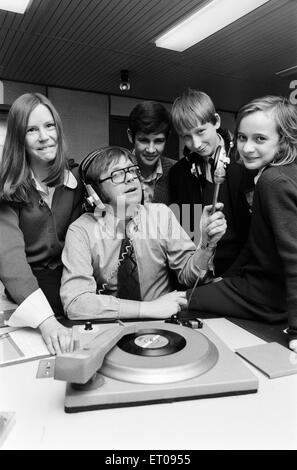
(209, 19)
(288, 72)
(17, 6)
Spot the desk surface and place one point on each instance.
(264, 420)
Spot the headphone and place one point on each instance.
(93, 199)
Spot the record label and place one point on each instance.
(151, 341)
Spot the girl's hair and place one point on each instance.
(15, 177)
(97, 162)
(149, 117)
(285, 117)
(192, 109)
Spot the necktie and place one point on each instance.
(212, 167)
(199, 166)
(128, 277)
(200, 162)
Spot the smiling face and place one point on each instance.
(257, 140)
(148, 149)
(41, 137)
(119, 195)
(202, 139)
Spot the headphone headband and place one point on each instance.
(86, 162)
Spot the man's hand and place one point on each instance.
(56, 336)
(164, 306)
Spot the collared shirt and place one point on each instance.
(221, 160)
(90, 258)
(207, 163)
(148, 183)
(47, 192)
(259, 174)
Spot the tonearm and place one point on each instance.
(81, 365)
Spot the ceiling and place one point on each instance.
(83, 44)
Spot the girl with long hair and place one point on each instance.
(39, 198)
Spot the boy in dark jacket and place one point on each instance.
(192, 178)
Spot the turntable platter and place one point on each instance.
(155, 355)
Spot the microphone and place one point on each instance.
(41, 202)
(219, 178)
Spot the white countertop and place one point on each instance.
(263, 420)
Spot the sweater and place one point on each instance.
(32, 237)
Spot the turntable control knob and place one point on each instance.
(88, 325)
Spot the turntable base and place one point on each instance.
(164, 362)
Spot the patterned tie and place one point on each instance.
(128, 277)
(199, 161)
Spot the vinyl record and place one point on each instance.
(180, 354)
(152, 342)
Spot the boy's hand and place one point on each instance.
(55, 335)
(164, 306)
(212, 226)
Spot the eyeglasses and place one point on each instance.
(120, 176)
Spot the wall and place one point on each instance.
(122, 106)
(85, 119)
(85, 115)
(12, 90)
(228, 120)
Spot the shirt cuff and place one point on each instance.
(34, 310)
(129, 309)
(210, 263)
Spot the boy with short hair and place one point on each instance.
(192, 178)
(149, 127)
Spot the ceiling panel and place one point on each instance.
(84, 44)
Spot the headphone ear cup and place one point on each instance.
(94, 199)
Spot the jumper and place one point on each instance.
(267, 285)
(32, 237)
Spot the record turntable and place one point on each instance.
(149, 362)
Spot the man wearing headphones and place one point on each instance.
(117, 258)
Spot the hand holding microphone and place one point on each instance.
(219, 178)
(220, 172)
(213, 226)
(213, 220)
